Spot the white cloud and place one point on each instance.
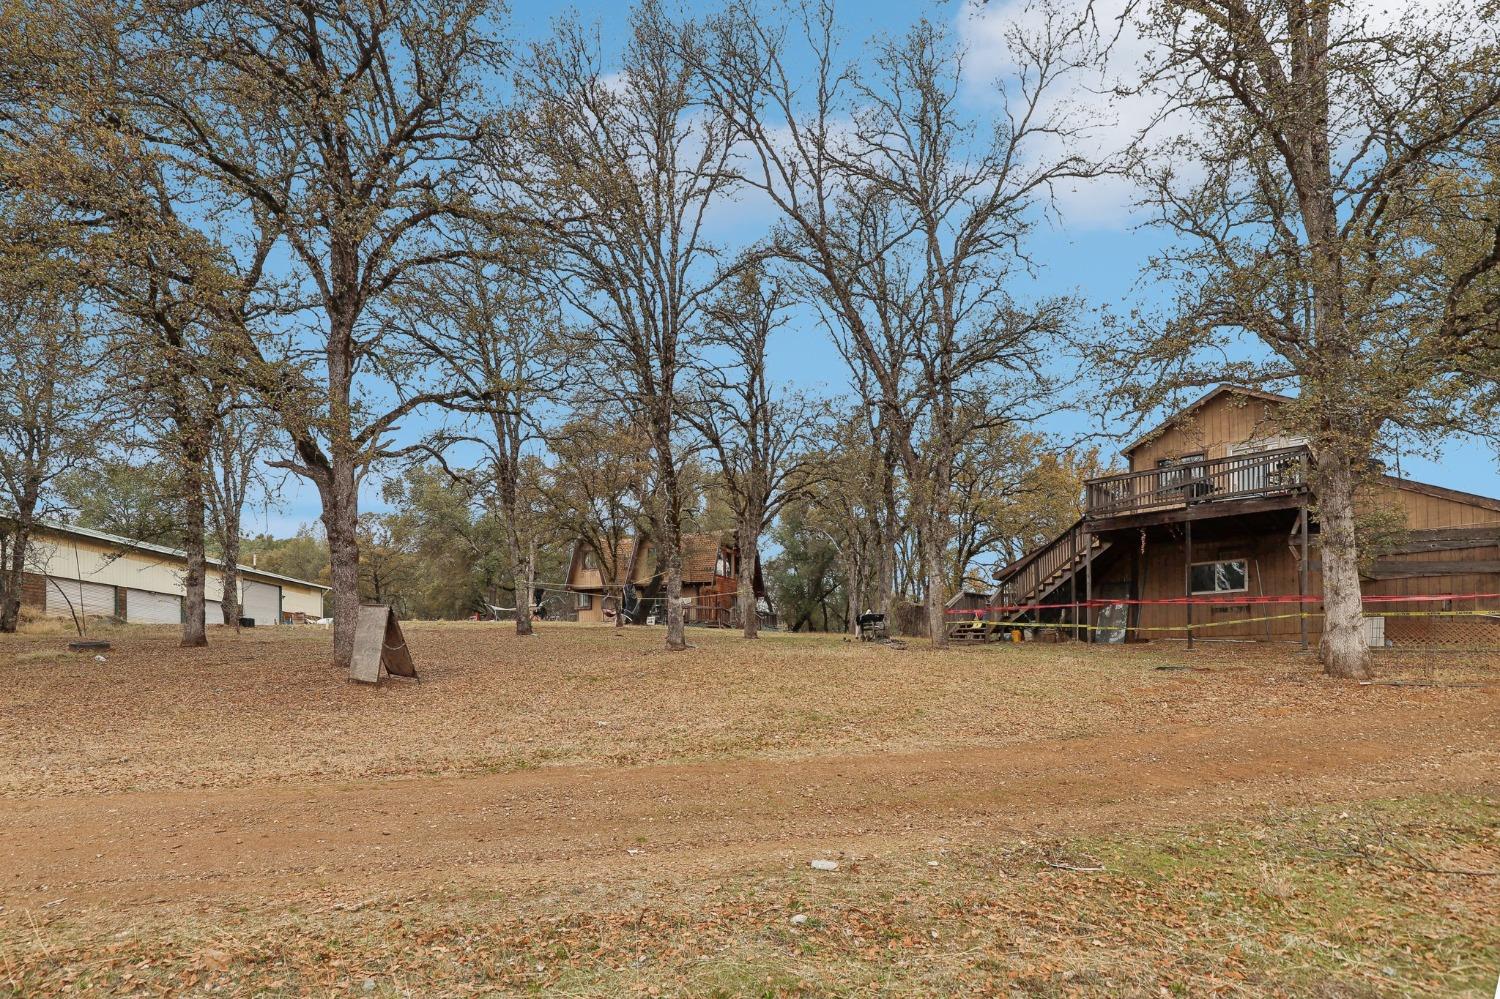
(1087, 99)
(1097, 97)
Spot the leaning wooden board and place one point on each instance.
(379, 646)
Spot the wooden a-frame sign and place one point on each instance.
(379, 646)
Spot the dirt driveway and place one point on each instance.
(563, 824)
(583, 814)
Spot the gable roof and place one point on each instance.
(131, 545)
(622, 564)
(700, 556)
(1210, 396)
(1443, 492)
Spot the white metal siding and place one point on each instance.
(306, 601)
(213, 612)
(145, 607)
(96, 562)
(105, 565)
(262, 601)
(91, 599)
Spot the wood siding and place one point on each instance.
(1211, 430)
(1436, 520)
(1428, 507)
(1271, 570)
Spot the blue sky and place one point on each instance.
(1094, 249)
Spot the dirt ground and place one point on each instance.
(581, 813)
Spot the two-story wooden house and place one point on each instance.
(710, 581)
(1214, 529)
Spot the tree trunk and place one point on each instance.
(886, 542)
(749, 542)
(507, 467)
(669, 525)
(522, 573)
(340, 517)
(194, 528)
(14, 569)
(1343, 649)
(937, 586)
(853, 590)
(231, 500)
(676, 636)
(230, 570)
(530, 582)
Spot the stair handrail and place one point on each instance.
(1010, 571)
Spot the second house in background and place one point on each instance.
(629, 578)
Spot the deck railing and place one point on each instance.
(1240, 476)
(1022, 580)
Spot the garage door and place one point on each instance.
(145, 607)
(213, 612)
(93, 599)
(262, 603)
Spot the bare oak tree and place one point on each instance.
(759, 435)
(592, 494)
(52, 419)
(181, 305)
(614, 174)
(239, 438)
(490, 325)
(850, 500)
(1329, 152)
(175, 292)
(345, 128)
(910, 226)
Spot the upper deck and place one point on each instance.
(1279, 472)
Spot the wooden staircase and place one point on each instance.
(977, 631)
(1046, 570)
(1033, 579)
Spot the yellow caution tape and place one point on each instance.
(1198, 626)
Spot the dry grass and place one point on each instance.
(1194, 912)
(44, 626)
(264, 705)
(1340, 896)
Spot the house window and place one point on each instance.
(1226, 576)
(1183, 460)
(585, 601)
(1267, 444)
(590, 560)
(1173, 475)
(722, 567)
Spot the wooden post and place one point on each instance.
(1088, 587)
(1073, 581)
(1136, 572)
(1302, 581)
(1187, 578)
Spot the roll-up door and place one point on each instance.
(145, 607)
(213, 612)
(262, 602)
(90, 599)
